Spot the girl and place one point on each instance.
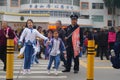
(50, 36)
(57, 46)
(29, 34)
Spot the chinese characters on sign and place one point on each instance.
(68, 7)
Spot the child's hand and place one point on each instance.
(7, 36)
(48, 42)
(65, 54)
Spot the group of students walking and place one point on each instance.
(58, 45)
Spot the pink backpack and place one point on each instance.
(111, 37)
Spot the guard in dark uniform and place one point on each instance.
(69, 46)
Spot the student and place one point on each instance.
(57, 46)
(29, 34)
(50, 37)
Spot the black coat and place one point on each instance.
(69, 30)
(118, 37)
(103, 39)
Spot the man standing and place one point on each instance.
(117, 43)
(5, 33)
(70, 39)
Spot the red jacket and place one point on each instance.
(3, 39)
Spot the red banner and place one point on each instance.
(76, 42)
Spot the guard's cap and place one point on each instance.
(74, 16)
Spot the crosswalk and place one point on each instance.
(38, 71)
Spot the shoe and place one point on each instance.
(56, 72)
(53, 67)
(66, 71)
(28, 71)
(75, 72)
(24, 71)
(48, 72)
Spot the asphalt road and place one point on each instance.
(102, 71)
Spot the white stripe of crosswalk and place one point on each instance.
(37, 77)
(38, 70)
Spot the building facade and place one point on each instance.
(92, 13)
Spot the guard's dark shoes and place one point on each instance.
(66, 71)
(75, 72)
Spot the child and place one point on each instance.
(47, 49)
(29, 34)
(36, 51)
(57, 46)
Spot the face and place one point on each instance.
(30, 24)
(73, 21)
(119, 28)
(40, 30)
(55, 34)
(4, 24)
(50, 34)
(58, 25)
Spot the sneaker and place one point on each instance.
(28, 71)
(56, 72)
(48, 72)
(112, 52)
(24, 71)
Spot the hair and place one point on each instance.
(50, 31)
(34, 27)
(59, 22)
(27, 22)
(56, 31)
(39, 27)
(112, 29)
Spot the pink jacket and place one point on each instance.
(111, 37)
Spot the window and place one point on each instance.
(40, 1)
(97, 6)
(110, 11)
(110, 23)
(76, 2)
(97, 18)
(84, 5)
(35, 1)
(84, 17)
(62, 1)
(3, 2)
(25, 1)
(15, 3)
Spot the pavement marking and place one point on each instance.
(104, 67)
(41, 65)
(37, 77)
(84, 64)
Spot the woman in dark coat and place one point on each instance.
(103, 44)
(5, 33)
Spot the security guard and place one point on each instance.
(69, 47)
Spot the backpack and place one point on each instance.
(111, 37)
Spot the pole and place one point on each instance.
(90, 58)
(10, 59)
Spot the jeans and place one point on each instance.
(56, 59)
(28, 56)
(34, 59)
(117, 49)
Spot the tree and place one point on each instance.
(112, 5)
